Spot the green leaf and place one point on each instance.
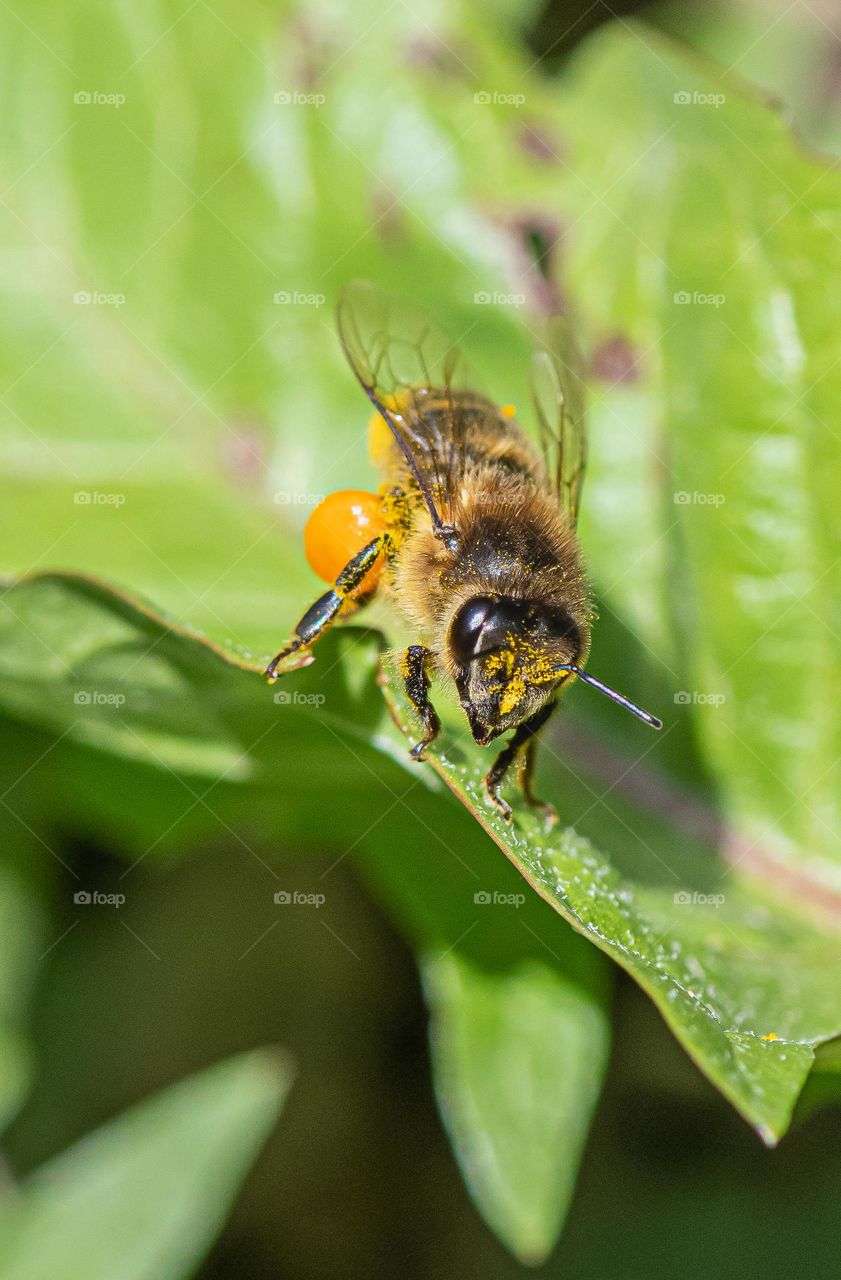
(495, 975)
(519, 1057)
(168, 425)
(742, 980)
(540, 1018)
(519, 1014)
(174, 443)
(21, 940)
(114, 675)
(143, 1197)
(716, 250)
(85, 661)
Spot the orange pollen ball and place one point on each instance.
(340, 526)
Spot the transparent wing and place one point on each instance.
(558, 389)
(408, 368)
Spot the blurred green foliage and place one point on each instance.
(143, 1196)
(187, 189)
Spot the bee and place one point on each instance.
(472, 533)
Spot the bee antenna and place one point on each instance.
(612, 694)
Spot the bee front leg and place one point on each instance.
(521, 747)
(414, 669)
(326, 609)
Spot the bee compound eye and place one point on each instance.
(467, 625)
(483, 624)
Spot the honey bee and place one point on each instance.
(472, 534)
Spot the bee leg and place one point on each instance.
(522, 741)
(326, 609)
(413, 668)
(544, 809)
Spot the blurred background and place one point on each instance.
(357, 1178)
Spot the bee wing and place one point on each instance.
(407, 367)
(558, 389)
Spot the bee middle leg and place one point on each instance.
(326, 609)
(542, 807)
(520, 749)
(415, 671)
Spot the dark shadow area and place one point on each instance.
(563, 24)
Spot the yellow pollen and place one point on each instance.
(536, 668)
(396, 401)
(515, 691)
(508, 410)
(380, 441)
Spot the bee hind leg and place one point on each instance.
(326, 609)
(520, 749)
(414, 668)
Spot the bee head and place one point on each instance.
(506, 653)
